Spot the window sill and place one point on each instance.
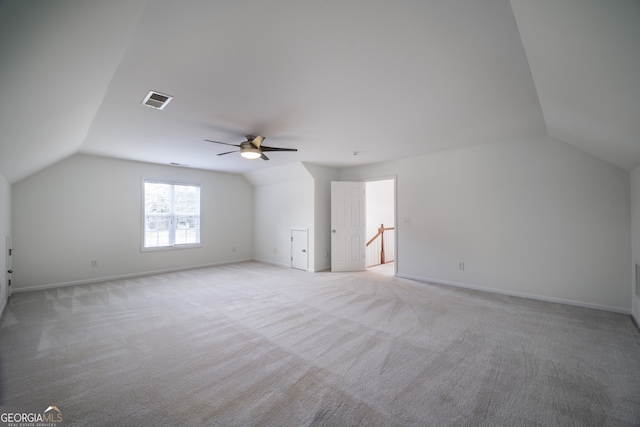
(170, 248)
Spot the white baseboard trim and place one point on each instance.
(280, 264)
(267, 261)
(519, 294)
(124, 276)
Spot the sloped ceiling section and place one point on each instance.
(57, 59)
(346, 83)
(290, 172)
(585, 60)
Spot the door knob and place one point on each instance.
(9, 271)
(334, 230)
(304, 250)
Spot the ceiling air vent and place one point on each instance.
(156, 100)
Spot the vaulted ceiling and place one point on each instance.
(381, 79)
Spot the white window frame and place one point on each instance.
(172, 215)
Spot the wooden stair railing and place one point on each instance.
(380, 234)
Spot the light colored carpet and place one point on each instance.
(258, 345)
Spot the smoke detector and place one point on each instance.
(156, 100)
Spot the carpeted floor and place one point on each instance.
(258, 345)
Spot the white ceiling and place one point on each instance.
(385, 79)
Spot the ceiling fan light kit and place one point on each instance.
(250, 153)
(252, 148)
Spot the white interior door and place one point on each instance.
(347, 226)
(299, 255)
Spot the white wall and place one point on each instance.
(532, 218)
(635, 228)
(5, 230)
(322, 210)
(85, 208)
(283, 201)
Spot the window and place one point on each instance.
(171, 215)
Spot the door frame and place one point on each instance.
(306, 249)
(393, 178)
(8, 267)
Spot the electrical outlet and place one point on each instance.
(275, 250)
(407, 221)
(94, 263)
(233, 249)
(461, 265)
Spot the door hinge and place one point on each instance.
(292, 238)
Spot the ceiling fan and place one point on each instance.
(252, 148)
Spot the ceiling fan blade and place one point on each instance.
(225, 143)
(256, 141)
(252, 144)
(264, 148)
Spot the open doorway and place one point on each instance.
(380, 222)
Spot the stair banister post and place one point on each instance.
(381, 231)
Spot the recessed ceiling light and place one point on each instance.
(156, 100)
